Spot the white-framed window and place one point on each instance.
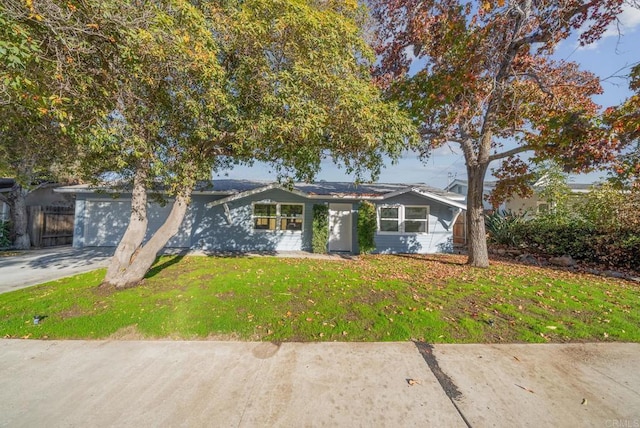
(403, 219)
(389, 219)
(542, 208)
(416, 219)
(278, 216)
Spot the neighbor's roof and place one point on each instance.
(491, 184)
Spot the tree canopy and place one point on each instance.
(624, 121)
(480, 75)
(160, 93)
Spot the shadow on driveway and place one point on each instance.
(25, 268)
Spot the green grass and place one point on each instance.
(435, 299)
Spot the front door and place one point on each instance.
(340, 227)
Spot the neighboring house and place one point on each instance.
(49, 214)
(462, 186)
(531, 205)
(247, 216)
(43, 195)
(6, 184)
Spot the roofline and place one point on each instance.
(429, 195)
(235, 196)
(96, 189)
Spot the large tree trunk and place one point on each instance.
(477, 238)
(146, 254)
(136, 230)
(19, 218)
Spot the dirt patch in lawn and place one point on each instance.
(129, 332)
(72, 312)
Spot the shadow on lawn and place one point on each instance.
(445, 259)
(157, 269)
(177, 257)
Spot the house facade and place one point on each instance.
(252, 216)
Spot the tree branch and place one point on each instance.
(508, 153)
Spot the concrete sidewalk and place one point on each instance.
(243, 384)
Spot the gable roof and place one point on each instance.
(232, 190)
(339, 190)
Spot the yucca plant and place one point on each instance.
(502, 226)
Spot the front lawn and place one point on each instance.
(435, 299)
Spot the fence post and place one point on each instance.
(36, 225)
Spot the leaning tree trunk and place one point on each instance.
(135, 232)
(143, 258)
(19, 218)
(477, 237)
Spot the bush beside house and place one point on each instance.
(367, 227)
(320, 228)
(602, 228)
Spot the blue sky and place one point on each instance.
(609, 58)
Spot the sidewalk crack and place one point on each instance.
(447, 385)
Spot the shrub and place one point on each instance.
(502, 227)
(4, 234)
(367, 226)
(619, 249)
(569, 237)
(320, 235)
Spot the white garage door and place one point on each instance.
(106, 221)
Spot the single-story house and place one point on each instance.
(254, 216)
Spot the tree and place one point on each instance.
(485, 81)
(182, 88)
(624, 122)
(44, 57)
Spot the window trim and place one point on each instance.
(278, 217)
(402, 219)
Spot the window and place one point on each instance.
(276, 216)
(542, 208)
(389, 219)
(403, 219)
(264, 216)
(416, 219)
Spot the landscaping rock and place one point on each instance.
(528, 259)
(614, 274)
(564, 261)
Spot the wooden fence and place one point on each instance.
(460, 231)
(51, 226)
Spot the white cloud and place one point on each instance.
(628, 22)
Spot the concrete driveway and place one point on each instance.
(32, 267)
(244, 384)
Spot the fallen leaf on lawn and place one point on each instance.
(412, 382)
(551, 327)
(526, 389)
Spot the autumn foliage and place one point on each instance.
(624, 122)
(480, 75)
